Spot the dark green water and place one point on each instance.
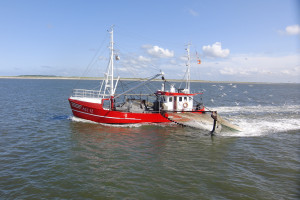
(45, 153)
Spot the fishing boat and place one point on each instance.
(169, 105)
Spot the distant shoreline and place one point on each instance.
(128, 79)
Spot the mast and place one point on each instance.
(111, 74)
(188, 70)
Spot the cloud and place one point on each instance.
(241, 67)
(159, 52)
(193, 12)
(291, 72)
(240, 71)
(293, 30)
(215, 51)
(183, 58)
(228, 71)
(255, 68)
(46, 66)
(290, 30)
(144, 59)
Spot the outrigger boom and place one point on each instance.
(139, 85)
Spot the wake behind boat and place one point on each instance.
(163, 106)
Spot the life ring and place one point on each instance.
(185, 105)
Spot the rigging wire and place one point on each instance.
(93, 60)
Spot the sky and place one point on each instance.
(253, 41)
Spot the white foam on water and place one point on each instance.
(77, 119)
(262, 128)
(262, 120)
(258, 109)
(122, 125)
(254, 121)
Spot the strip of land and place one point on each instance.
(124, 79)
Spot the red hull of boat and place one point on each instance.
(95, 112)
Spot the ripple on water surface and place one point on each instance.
(47, 154)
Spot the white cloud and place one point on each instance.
(242, 67)
(159, 52)
(144, 59)
(256, 68)
(215, 51)
(285, 72)
(183, 58)
(228, 71)
(291, 72)
(173, 61)
(292, 30)
(193, 12)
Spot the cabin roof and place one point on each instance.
(175, 93)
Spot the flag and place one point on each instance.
(198, 59)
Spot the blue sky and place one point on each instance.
(254, 40)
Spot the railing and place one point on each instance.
(88, 93)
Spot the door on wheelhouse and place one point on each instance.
(175, 103)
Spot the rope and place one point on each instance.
(214, 116)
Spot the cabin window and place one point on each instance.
(190, 98)
(180, 98)
(170, 99)
(106, 104)
(185, 98)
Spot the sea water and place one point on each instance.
(46, 153)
